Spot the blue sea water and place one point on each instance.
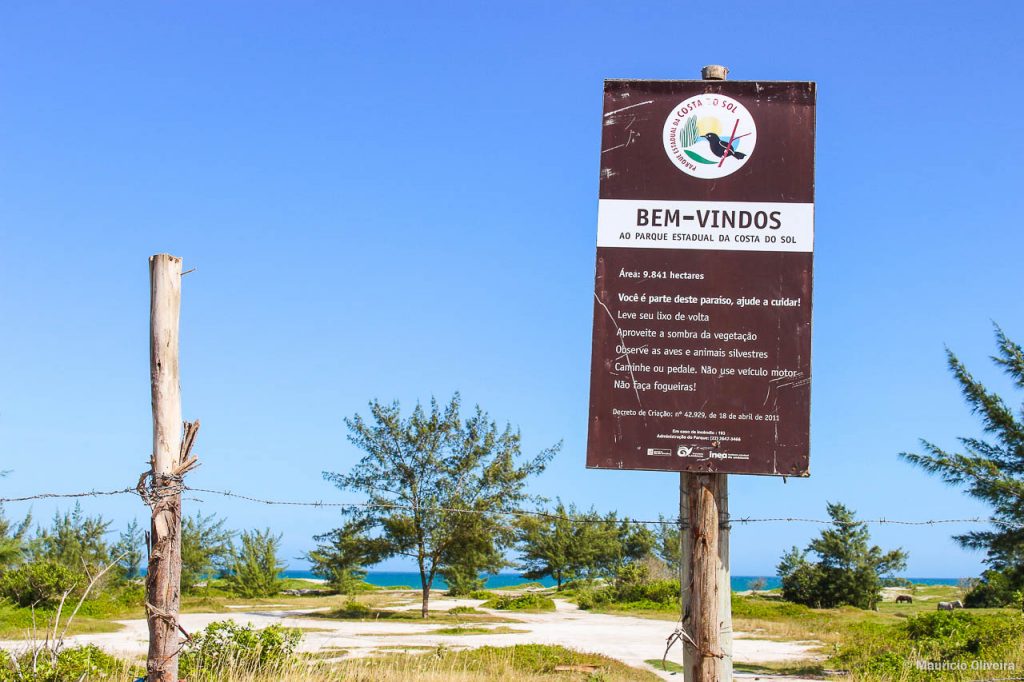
(412, 579)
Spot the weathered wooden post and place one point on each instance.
(170, 461)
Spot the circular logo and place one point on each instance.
(709, 136)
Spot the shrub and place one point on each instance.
(354, 609)
(996, 588)
(524, 602)
(482, 594)
(225, 646)
(40, 583)
(255, 570)
(459, 610)
(944, 637)
(75, 663)
(632, 589)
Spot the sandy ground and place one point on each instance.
(628, 639)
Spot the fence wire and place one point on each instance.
(741, 520)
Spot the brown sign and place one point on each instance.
(702, 313)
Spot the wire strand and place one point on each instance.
(180, 488)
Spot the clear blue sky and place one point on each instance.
(397, 201)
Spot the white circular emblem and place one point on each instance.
(709, 136)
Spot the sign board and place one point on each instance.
(702, 312)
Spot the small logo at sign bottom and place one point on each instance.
(659, 452)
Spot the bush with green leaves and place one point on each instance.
(74, 663)
(461, 610)
(633, 588)
(41, 583)
(355, 609)
(997, 587)
(226, 647)
(482, 594)
(531, 601)
(944, 639)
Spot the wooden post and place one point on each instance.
(685, 568)
(163, 578)
(705, 602)
(724, 580)
(705, 585)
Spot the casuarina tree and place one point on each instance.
(848, 570)
(566, 544)
(255, 568)
(431, 479)
(990, 469)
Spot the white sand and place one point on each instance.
(628, 639)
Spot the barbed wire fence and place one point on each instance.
(675, 521)
(181, 487)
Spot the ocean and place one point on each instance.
(412, 579)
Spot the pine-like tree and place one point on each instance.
(206, 549)
(255, 568)
(990, 470)
(848, 569)
(425, 474)
(130, 546)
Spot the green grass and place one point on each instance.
(470, 630)
(524, 663)
(521, 587)
(413, 615)
(794, 670)
(667, 665)
(100, 613)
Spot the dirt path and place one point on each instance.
(628, 639)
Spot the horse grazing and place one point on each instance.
(904, 599)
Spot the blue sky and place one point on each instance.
(398, 201)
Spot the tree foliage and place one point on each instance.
(206, 549)
(990, 469)
(566, 544)
(341, 556)
(848, 569)
(74, 540)
(255, 570)
(130, 548)
(39, 583)
(13, 541)
(432, 480)
(667, 545)
(475, 549)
